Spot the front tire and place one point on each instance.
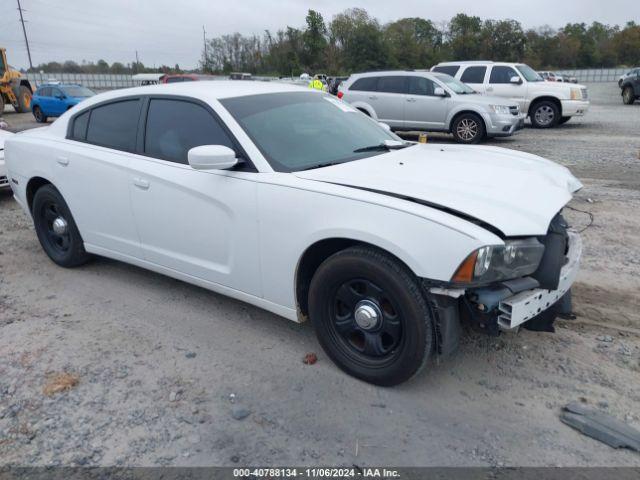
(370, 316)
(39, 115)
(545, 114)
(24, 99)
(628, 97)
(468, 128)
(56, 229)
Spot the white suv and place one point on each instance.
(546, 103)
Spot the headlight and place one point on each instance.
(576, 94)
(514, 259)
(502, 109)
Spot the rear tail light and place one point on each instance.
(340, 95)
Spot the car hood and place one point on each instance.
(515, 192)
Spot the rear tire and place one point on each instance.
(628, 97)
(24, 99)
(545, 114)
(398, 339)
(56, 229)
(1, 104)
(468, 128)
(564, 120)
(39, 115)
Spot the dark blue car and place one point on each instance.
(52, 100)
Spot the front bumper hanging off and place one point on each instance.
(524, 306)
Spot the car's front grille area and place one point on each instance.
(4, 181)
(585, 94)
(514, 110)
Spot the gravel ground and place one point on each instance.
(109, 364)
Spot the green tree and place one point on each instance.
(465, 37)
(314, 40)
(359, 38)
(503, 41)
(412, 43)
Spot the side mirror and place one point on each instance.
(212, 157)
(516, 80)
(385, 126)
(439, 92)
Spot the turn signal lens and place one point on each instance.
(464, 274)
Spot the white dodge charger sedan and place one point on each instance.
(291, 200)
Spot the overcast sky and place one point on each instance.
(170, 31)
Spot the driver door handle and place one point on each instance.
(141, 183)
(64, 161)
(373, 97)
(489, 89)
(411, 99)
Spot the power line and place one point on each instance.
(24, 30)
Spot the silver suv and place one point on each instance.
(416, 100)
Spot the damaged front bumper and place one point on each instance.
(523, 306)
(506, 305)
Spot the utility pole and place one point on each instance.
(24, 30)
(204, 39)
(137, 63)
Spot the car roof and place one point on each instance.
(476, 62)
(207, 90)
(391, 72)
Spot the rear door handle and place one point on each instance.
(141, 183)
(373, 97)
(411, 100)
(64, 161)
(489, 89)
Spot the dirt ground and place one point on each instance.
(109, 364)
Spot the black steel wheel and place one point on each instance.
(56, 229)
(371, 316)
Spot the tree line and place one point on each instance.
(355, 41)
(101, 66)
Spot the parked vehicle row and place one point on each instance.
(292, 200)
(557, 77)
(630, 87)
(547, 104)
(413, 100)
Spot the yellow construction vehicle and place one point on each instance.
(14, 89)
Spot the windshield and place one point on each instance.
(302, 130)
(456, 85)
(78, 91)
(529, 73)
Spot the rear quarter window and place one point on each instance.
(79, 130)
(366, 84)
(115, 125)
(448, 69)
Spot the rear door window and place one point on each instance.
(115, 125)
(44, 92)
(393, 84)
(366, 84)
(502, 74)
(448, 69)
(473, 75)
(176, 126)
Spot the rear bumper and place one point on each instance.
(524, 306)
(573, 108)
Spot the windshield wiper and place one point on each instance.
(321, 165)
(387, 145)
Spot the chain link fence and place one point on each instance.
(596, 74)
